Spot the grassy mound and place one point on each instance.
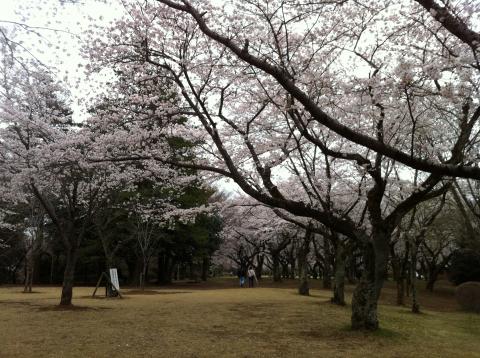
(468, 296)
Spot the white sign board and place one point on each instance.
(114, 278)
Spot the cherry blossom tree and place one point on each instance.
(387, 107)
(34, 233)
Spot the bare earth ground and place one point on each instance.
(216, 319)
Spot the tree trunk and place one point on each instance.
(430, 284)
(276, 267)
(52, 268)
(367, 292)
(143, 275)
(352, 268)
(432, 278)
(415, 304)
(303, 250)
(327, 277)
(328, 263)
(364, 304)
(408, 284)
(259, 267)
(292, 260)
(413, 279)
(285, 270)
(339, 278)
(398, 276)
(68, 277)
(315, 270)
(400, 291)
(29, 265)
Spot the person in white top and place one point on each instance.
(252, 277)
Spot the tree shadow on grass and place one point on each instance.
(51, 308)
(28, 293)
(70, 308)
(152, 292)
(381, 332)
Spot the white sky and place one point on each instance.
(54, 37)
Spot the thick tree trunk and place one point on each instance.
(367, 292)
(68, 277)
(339, 278)
(364, 304)
(327, 277)
(29, 267)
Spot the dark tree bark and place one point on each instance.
(413, 279)
(29, 268)
(277, 276)
(68, 277)
(399, 268)
(339, 277)
(303, 250)
(367, 292)
(259, 266)
(431, 283)
(364, 300)
(326, 277)
(275, 250)
(291, 261)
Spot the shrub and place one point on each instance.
(468, 296)
(464, 267)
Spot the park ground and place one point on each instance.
(216, 319)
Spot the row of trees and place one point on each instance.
(431, 242)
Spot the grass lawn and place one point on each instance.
(217, 320)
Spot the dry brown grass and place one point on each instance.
(218, 322)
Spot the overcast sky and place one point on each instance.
(53, 37)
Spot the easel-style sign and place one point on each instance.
(114, 279)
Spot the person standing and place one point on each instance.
(241, 276)
(252, 277)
